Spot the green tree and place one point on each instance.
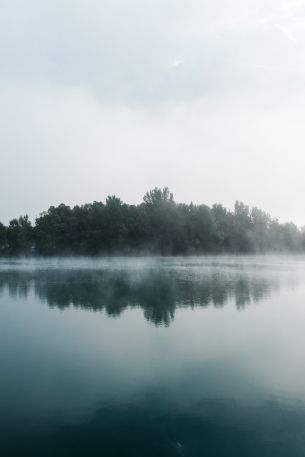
(20, 234)
(3, 237)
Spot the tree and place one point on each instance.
(158, 196)
(157, 225)
(20, 234)
(3, 237)
(241, 225)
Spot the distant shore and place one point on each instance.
(157, 226)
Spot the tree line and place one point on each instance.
(158, 225)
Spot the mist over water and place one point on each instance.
(152, 356)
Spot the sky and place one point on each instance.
(103, 97)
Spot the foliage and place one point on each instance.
(158, 225)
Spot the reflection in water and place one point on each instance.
(157, 292)
(212, 384)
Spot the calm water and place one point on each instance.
(153, 357)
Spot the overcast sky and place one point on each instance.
(106, 97)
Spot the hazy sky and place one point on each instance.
(106, 97)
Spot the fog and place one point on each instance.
(158, 286)
(116, 97)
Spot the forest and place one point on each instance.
(157, 226)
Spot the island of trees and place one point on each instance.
(158, 225)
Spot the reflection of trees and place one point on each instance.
(157, 292)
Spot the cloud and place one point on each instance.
(112, 96)
(119, 50)
(176, 63)
(286, 32)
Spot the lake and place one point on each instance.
(195, 356)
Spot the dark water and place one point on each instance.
(153, 357)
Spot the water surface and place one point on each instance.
(200, 356)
